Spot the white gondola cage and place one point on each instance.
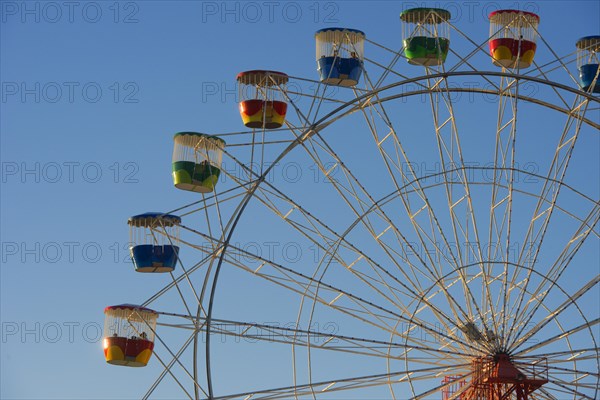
(198, 147)
(262, 85)
(340, 42)
(154, 228)
(429, 22)
(514, 24)
(130, 321)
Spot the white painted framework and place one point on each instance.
(426, 306)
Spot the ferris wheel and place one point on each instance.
(444, 245)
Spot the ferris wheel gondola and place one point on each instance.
(588, 62)
(340, 55)
(154, 239)
(129, 332)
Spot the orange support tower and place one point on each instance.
(500, 378)
(452, 386)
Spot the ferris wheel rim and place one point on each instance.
(349, 107)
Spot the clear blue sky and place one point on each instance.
(91, 95)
